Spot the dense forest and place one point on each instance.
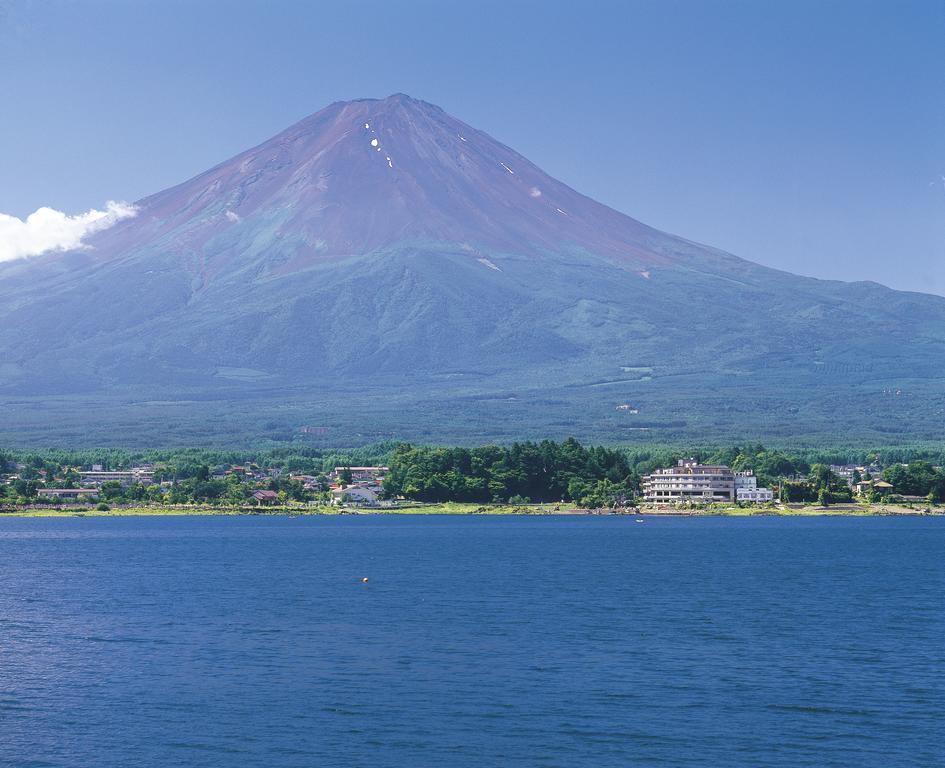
(522, 472)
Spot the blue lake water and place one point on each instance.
(251, 641)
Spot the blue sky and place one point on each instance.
(805, 135)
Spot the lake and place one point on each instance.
(477, 641)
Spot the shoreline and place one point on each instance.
(455, 508)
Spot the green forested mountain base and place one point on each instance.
(685, 410)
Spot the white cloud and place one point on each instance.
(50, 230)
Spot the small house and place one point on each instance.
(360, 495)
(867, 486)
(266, 497)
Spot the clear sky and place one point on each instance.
(807, 135)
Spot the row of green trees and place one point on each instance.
(918, 478)
(821, 485)
(201, 488)
(545, 471)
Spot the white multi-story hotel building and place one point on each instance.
(690, 481)
(746, 488)
(124, 476)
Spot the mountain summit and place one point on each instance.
(359, 176)
(382, 268)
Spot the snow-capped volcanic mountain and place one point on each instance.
(383, 268)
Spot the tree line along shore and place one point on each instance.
(862, 509)
(526, 478)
